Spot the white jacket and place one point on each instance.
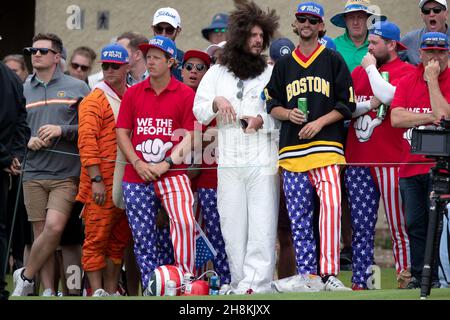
(237, 149)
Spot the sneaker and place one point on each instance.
(334, 284)
(47, 293)
(21, 287)
(413, 284)
(100, 293)
(358, 287)
(403, 279)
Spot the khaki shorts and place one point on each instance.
(41, 195)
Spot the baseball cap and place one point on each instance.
(168, 15)
(162, 43)
(219, 21)
(443, 2)
(353, 6)
(328, 42)
(280, 48)
(197, 54)
(311, 8)
(114, 53)
(434, 41)
(213, 48)
(389, 31)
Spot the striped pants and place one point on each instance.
(142, 203)
(365, 185)
(299, 188)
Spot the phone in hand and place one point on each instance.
(244, 123)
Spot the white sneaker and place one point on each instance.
(100, 293)
(21, 287)
(47, 293)
(334, 284)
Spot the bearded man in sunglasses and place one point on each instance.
(312, 141)
(247, 192)
(421, 98)
(50, 176)
(434, 15)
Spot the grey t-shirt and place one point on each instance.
(54, 103)
(412, 41)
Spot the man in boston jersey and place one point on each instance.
(154, 131)
(422, 98)
(311, 146)
(374, 152)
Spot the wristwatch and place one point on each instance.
(169, 161)
(97, 179)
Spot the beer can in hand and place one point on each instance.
(302, 105)
(382, 109)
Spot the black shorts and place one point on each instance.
(74, 232)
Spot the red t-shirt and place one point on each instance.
(158, 122)
(367, 140)
(412, 94)
(208, 175)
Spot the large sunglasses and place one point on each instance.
(199, 66)
(160, 30)
(436, 10)
(222, 30)
(433, 43)
(77, 66)
(312, 20)
(240, 86)
(107, 65)
(32, 51)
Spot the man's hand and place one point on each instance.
(99, 193)
(296, 116)
(36, 144)
(432, 71)
(224, 109)
(254, 123)
(14, 167)
(368, 60)
(310, 129)
(47, 132)
(151, 172)
(374, 103)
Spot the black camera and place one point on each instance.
(432, 142)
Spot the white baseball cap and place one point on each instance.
(214, 47)
(443, 2)
(168, 15)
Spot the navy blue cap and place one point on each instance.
(434, 41)
(280, 48)
(310, 8)
(219, 21)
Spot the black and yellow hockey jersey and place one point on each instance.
(325, 81)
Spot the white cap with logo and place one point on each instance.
(443, 2)
(168, 15)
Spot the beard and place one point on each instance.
(381, 60)
(243, 64)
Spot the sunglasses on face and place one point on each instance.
(114, 66)
(312, 20)
(199, 66)
(77, 66)
(168, 30)
(32, 51)
(240, 86)
(436, 10)
(217, 30)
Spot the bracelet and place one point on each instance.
(135, 161)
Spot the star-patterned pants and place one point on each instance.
(299, 188)
(364, 187)
(208, 208)
(142, 203)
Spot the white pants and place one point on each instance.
(247, 200)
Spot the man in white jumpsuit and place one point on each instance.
(247, 191)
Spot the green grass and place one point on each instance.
(388, 291)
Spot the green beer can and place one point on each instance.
(302, 104)
(382, 110)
